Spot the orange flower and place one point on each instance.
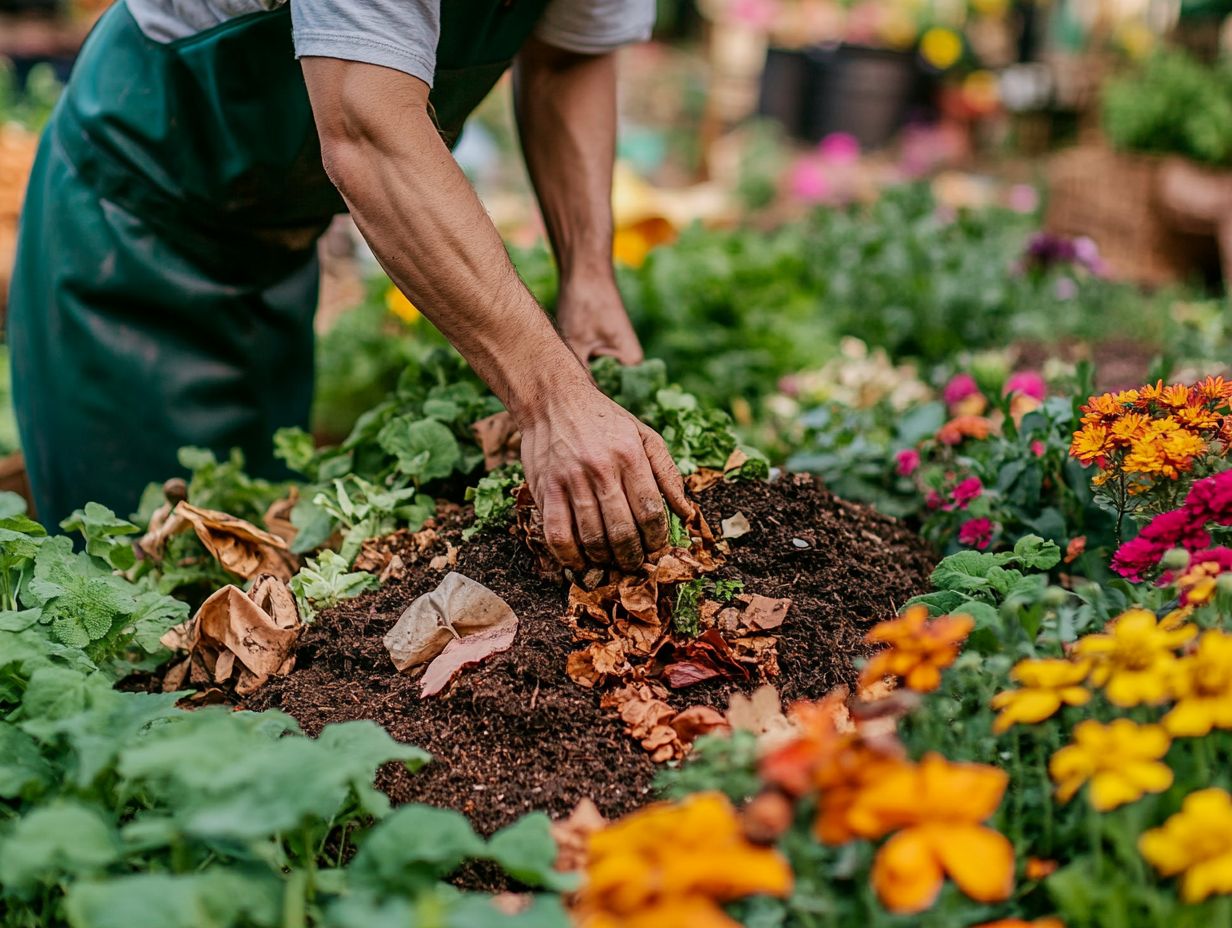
(1019, 923)
(829, 757)
(919, 648)
(1090, 444)
(960, 428)
(1198, 417)
(1038, 868)
(935, 810)
(675, 864)
(1213, 388)
(1129, 427)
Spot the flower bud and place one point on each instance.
(1175, 559)
(766, 817)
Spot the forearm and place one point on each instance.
(431, 234)
(566, 110)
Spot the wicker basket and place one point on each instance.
(1113, 198)
(13, 478)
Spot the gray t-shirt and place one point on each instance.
(398, 34)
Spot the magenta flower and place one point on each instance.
(1038, 448)
(933, 499)
(970, 489)
(975, 533)
(908, 462)
(960, 387)
(1028, 383)
(840, 148)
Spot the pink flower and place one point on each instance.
(1024, 198)
(970, 489)
(809, 181)
(1210, 500)
(960, 387)
(1180, 528)
(975, 533)
(1038, 448)
(933, 500)
(839, 148)
(1026, 383)
(908, 461)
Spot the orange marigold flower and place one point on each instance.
(1048, 922)
(676, 864)
(1175, 395)
(1127, 429)
(936, 811)
(1198, 417)
(919, 648)
(961, 428)
(829, 757)
(1090, 444)
(1213, 388)
(1037, 868)
(1100, 408)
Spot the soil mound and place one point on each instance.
(516, 733)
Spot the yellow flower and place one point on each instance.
(398, 304)
(941, 47)
(1120, 760)
(1202, 687)
(1047, 685)
(1196, 843)
(1134, 659)
(1090, 444)
(676, 863)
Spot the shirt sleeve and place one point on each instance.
(398, 34)
(592, 27)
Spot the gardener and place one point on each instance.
(166, 275)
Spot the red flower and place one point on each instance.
(975, 533)
(908, 462)
(970, 489)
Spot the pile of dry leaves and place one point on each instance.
(667, 625)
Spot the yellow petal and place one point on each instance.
(978, 859)
(1110, 790)
(906, 874)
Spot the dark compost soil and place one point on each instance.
(516, 734)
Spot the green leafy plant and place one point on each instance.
(325, 582)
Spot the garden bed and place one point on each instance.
(516, 733)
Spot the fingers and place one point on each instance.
(666, 474)
(558, 531)
(646, 503)
(622, 531)
(589, 522)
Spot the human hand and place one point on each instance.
(593, 321)
(599, 476)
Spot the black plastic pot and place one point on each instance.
(869, 93)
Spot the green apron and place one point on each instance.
(166, 273)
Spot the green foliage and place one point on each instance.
(121, 810)
(325, 582)
(493, 499)
(226, 486)
(105, 535)
(1174, 105)
(686, 612)
(31, 106)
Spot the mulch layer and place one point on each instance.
(516, 734)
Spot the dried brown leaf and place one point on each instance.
(277, 517)
(457, 608)
(736, 526)
(702, 480)
(466, 652)
(764, 612)
(239, 546)
(572, 835)
(499, 439)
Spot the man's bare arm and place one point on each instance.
(566, 108)
(595, 471)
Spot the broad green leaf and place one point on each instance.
(24, 772)
(425, 449)
(63, 838)
(415, 846)
(1034, 553)
(216, 898)
(527, 851)
(104, 534)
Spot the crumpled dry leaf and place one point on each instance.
(663, 732)
(596, 662)
(258, 630)
(736, 526)
(499, 439)
(682, 663)
(277, 517)
(702, 480)
(446, 561)
(239, 546)
(164, 523)
(467, 651)
(528, 526)
(761, 714)
(763, 612)
(735, 461)
(459, 606)
(572, 835)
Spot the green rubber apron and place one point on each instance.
(166, 273)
